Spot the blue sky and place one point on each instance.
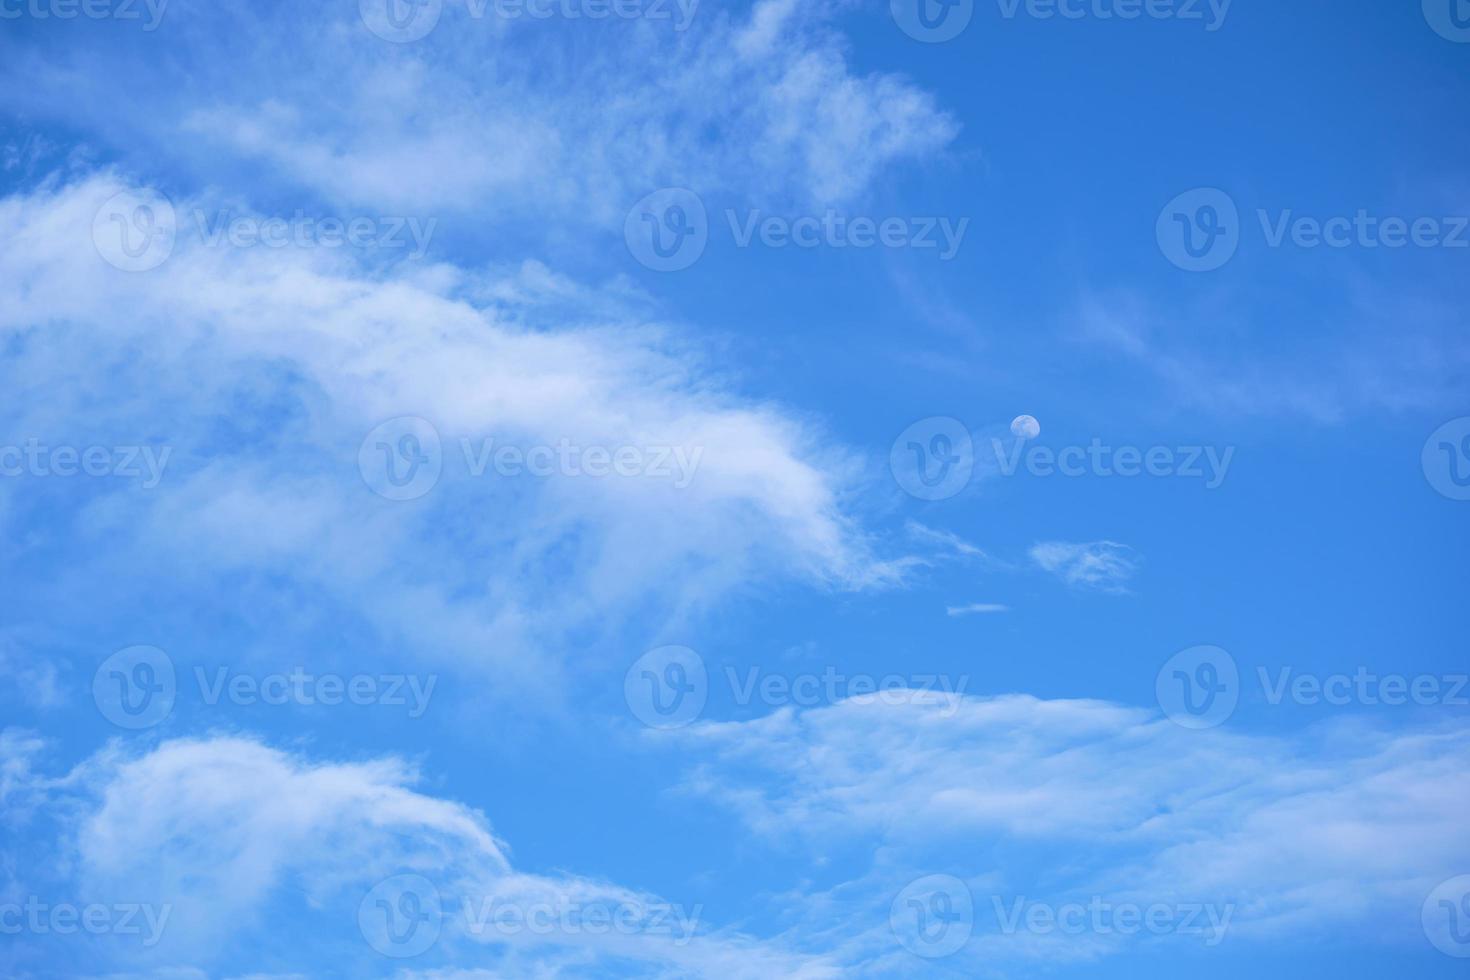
(799, 488)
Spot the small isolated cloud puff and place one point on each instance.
(976, 609)
(1102, 565)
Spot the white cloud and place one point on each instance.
(976, 609)
(1340, 828)
(498, 119)
(265, 369)
(1102, 565)
(241, 840)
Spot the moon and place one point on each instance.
(1026, 427)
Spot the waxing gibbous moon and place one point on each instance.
(1026, 427)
